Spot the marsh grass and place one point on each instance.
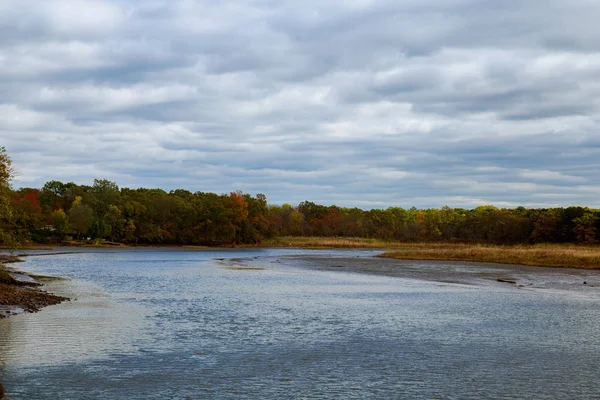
(234, 268)
(325, 242)
(544, 255)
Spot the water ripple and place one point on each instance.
(177, 325)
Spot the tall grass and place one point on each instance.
(325, 242)
(544, 255)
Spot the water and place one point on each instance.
(168, 324)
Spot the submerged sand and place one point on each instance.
(450, 272)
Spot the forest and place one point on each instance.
(60, 211)
(104, 212)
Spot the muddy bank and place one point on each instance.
(5, 259)
(453, 272)
(20, 292)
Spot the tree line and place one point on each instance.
(60, 211)
(153, 216)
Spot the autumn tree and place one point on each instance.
(7, 236)
(81, 217)
(237, 212)
(546, 225)
(27, 214)
(585, 227)
(117, 222)
(57, 195)
(59, 222)
(153, 216)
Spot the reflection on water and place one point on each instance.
(49, 338)
(155, 324)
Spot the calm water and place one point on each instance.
(157, 324)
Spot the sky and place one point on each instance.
(357, 103)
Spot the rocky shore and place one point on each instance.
(21, 293)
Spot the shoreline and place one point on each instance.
(549, 256)
(21, 292)
(540, 255)
(584, 282)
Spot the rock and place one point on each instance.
(506, 280)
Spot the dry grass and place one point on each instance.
(234, 268)
(567, 256)
(321, 242)
(544, 255)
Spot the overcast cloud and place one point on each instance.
(357, 103)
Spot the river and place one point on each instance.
(293, 324)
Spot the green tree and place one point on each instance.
(546, 225)
(129, 231)
(56, 195)
(103, 194)
(101, 229)
(7, 236)
(115, 219)
(81, 218)
(59, 222)
(585, 227)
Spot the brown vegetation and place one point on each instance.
(329, 242)
(544, 255)
(554, 255)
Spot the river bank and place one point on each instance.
(20, 292)
(549, 255)
(584, 282)
(540, 255)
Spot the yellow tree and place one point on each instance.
(81, 217)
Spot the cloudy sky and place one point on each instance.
(367, 103)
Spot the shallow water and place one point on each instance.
(172, 324)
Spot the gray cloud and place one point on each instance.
(361, 103)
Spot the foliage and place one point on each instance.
(153, 216)
(7, 228)
(81, 217)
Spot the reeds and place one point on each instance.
(326, 242)
(546, 255)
